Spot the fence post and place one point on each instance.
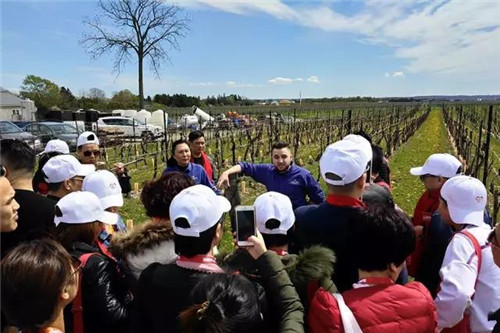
(487, 148)
(349, 121)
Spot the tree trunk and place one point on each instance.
(141, 83)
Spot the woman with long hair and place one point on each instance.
(105, 297)
(39, 278)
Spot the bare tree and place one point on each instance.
(147, 29)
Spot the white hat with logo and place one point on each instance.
(86, 138)
(82, 207)
(62, 167)
(344, 161)
(442, 165)
(56, 145)
(274, 213)
(466, 198)
(105, 185)
(196, 209)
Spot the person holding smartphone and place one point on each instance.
(282, 176)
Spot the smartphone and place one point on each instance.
(245, 224)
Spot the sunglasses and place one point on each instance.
(3, 171)
(89, 153)
(492, 237)
(422, 178)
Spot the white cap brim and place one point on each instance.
(461, 215)
(86, 169)
(109, 218)
(224, 204)
(418, 171)
(112, 201)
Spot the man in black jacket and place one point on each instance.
(344, 167)
(163, 290)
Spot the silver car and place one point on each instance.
(10, 131)
(49, 130)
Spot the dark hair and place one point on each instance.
(157, 195)
(17, 155)
(171, 161)
(67, 234)
(44, 158)
(272, 240)
(195, 135)
(378, 195)
(364, 135)
(222, 303)
(192, 246)
(279, 145)
(33, 276)
(383, 236)
(377, 159)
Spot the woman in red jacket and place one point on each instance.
(383, 237)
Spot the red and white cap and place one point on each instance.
(82, 207)
(105, 185)
(442, 165)
(466, 198)
(201, 208)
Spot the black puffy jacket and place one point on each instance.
(105, 295)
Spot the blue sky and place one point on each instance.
(274, 49)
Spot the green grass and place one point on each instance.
(431, 138)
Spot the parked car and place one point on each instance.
(10, 131)
(131, 127)
(49, 130)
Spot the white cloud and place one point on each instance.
(201, 84)
(281, 80)
(398, 74)
(442, 36)
(313, 79)
(299, 79)
(238, 85)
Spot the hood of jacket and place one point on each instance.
(142, 238)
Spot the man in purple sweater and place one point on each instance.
(281, 176)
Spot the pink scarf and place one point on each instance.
(202, 263)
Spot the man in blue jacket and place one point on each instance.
(282, 176)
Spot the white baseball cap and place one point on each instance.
(346, 160)
(82, 207)
(466, 198)
(86, 138)
(200, 206)
(56, 145)
(62, 167)
(276, 206)
(442, 165)
(106, 186)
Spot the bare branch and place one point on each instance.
(146, 28)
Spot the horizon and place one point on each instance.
(260, 50)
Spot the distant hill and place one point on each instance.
(458, 98)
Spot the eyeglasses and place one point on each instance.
(492, 237)
(89, 153)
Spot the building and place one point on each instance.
(13, 108)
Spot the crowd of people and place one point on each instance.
(348, 260)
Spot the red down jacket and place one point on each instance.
(379, 308)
